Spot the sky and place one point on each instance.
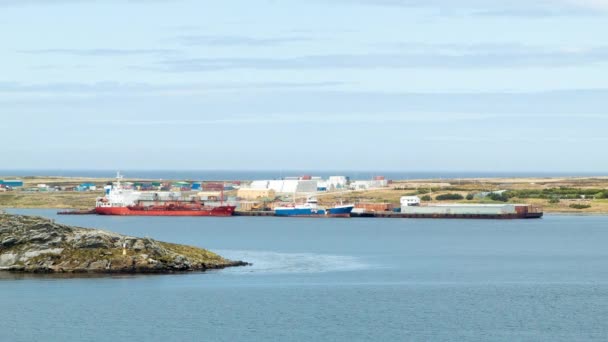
(445, 85)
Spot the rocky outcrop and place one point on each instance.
(36, 244)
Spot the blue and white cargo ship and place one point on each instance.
(311, 209)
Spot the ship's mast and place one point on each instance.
(222, 196)
(118, 178)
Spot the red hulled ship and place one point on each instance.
(122, 201)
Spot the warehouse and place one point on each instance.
(253, 194)
(13, 183)
(287, 185)
(377, 182)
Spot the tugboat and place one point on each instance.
(122, 201)
(311, 209)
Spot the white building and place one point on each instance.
(368, 184)
(287, 186)
(337, 182)
(408, 201)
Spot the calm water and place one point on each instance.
(335, 280)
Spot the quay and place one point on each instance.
(253, 213)
(449, 216)
(387, 214)
(378, 214)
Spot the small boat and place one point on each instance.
(311, 209)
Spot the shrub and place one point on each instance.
(554, 200)
(579, 206)
(423, 191)
(426, 198)
(470, 197)
(498, 197)
(449, 197)
(602, 195)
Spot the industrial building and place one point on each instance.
(287, 185)
(254, 194)
(12, 183)
(86, 187)
(337, 182)
(333, 183)
(375, 183)
(303, 184)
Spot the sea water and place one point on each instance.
(333, 280)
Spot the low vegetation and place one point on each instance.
(579, 206)
(449, 197)
(503, 197)
(561, 193)
(76, 200)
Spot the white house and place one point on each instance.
(409, 201)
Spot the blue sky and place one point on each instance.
(344, 84)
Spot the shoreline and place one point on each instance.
(542, 187)
(551, 213)
(35, 244)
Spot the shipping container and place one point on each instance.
(375, 206)
(213, 186)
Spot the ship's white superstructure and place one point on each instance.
(117, 195)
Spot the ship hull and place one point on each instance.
(299, 212)
(342, 211)
(126, 211)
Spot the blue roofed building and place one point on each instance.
(13, 183)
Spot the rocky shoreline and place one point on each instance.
(39, 245)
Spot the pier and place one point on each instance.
(388, 214)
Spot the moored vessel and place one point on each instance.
(311, 209)
(411, 207)
(122, 201)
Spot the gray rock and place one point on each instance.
(138, 245)
(98, 265)
(34, 253)
(8, 241)
(35, 244)
(8, 259)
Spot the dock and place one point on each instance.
(388, 214)
(448, 216)
(253, 213)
